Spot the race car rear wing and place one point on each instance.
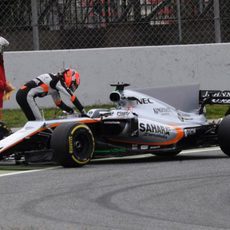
(213, 97)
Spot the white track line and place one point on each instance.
(201, 150)
(28, 171)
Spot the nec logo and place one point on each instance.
(144, 101)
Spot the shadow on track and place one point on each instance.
(144, 158)
(158, 159)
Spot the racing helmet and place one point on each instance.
(72, 79)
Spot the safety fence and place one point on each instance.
(71, 24)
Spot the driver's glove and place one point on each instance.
(71, 111)
(83, 113)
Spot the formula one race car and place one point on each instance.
(138, 124)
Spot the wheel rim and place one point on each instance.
(82, 147)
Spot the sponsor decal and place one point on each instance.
(215, 93)
(134, 147)
(29, 127)
(144, 101)
(216, 96)
(161, 110)
(189, 132)
(155, 130)
(70, 144)
(144, 147)
(123, 113)
(221, 101)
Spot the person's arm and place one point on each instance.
(66, 91)
(9, 87)
(58, 102)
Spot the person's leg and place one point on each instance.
(28, 110)
(33, 106)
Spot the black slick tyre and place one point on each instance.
(4, 131)
(223, 134)
(73, 144)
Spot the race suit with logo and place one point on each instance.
(45, 84)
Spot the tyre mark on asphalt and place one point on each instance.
(105, 200)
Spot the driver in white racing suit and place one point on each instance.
(49, 84)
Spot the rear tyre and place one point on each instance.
(73, 144)
(223, 134)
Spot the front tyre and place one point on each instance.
(223, 134)
(73, 144)
(4, 130)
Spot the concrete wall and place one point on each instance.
(142, 67)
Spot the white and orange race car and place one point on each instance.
(138, 124)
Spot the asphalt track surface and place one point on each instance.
(192, 191)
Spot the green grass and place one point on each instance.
(216, 111)
(16, 118)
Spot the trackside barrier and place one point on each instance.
(142, 67)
